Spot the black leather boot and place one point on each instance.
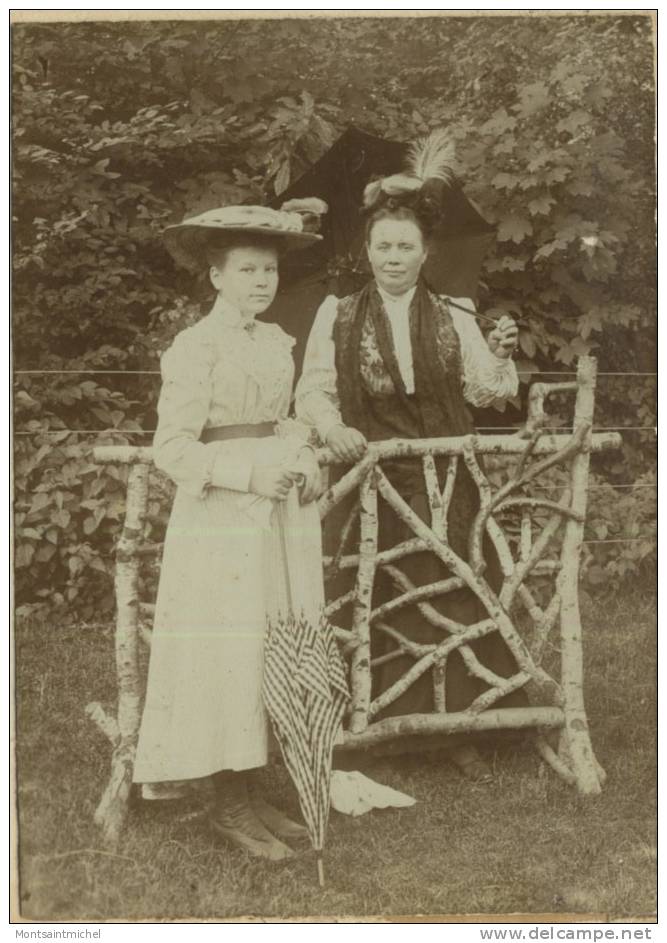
(470, 764)
(275, 820)
(233, 819)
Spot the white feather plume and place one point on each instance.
(371, 193)
(432, 157)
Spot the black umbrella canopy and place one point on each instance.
(338, 264)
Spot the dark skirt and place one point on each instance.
(462, 606)
(422, 568)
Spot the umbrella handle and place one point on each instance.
(283, 547)
(476, 314)
(320, 870)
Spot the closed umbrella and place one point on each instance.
(305, 693)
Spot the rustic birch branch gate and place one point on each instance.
(556, 700)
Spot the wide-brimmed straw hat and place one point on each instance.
(293, 227)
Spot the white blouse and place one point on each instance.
(224, 370)
(486, 378)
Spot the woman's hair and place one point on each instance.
(219, 245)
(392, 209)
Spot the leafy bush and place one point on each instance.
(626, 515)
(68, 510)
(139, 123)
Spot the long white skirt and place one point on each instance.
(223, 575)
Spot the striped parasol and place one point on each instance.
(305, 693)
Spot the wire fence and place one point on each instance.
(485, 429)
(147, 373)
(481, 429)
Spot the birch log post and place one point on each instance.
(536, 396)
(500, 718)
(460, 568)
(448, 491)
(404, 549)
(334, 566)
(546, 444)
(550, 756)
(526, 535)
(499, 541)
(360, 669)
(418, 595)
(438, 518)
(583, 762)
(426, 663)
(111, 811)
(440, 685)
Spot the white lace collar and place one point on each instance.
(397, 302)
(228, 314)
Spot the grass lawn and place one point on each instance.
(525, 843)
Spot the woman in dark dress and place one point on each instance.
(395, 360)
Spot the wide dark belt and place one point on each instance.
(247, 430)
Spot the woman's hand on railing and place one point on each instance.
(346, 443)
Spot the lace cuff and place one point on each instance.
(487, 378)
(492, 380)
(294, 428)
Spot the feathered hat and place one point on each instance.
(429, 173)
(294, 226)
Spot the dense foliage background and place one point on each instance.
(122, 128)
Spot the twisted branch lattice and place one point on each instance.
(556, 699)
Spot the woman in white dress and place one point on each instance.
(245, 473)
(395, 360)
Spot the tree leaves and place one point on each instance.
(498, 123)
(23, 556)
(541, 205)
(556, 175)
(142, 123)
(61, 518)
(509, 263)
(593, 320)
(575, 121)
(282, 178)
(505, 181)
(527, 344)
(514, 228)
(568, 352)
(532, 98)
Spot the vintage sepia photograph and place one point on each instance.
(334, 466)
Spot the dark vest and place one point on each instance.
(371, 391)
